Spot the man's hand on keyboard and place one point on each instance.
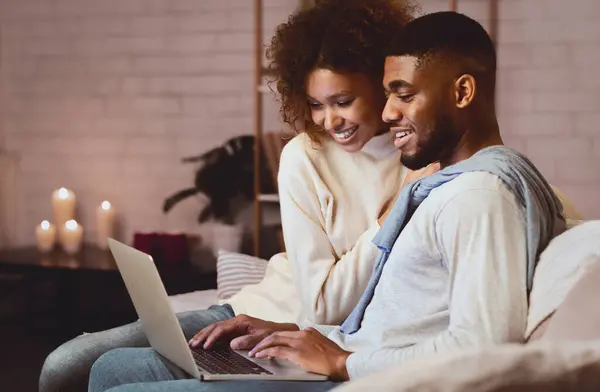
(308, 349)
(245, 332)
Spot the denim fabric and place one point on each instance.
(142, 369)
(68, 367)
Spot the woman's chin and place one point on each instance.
(353, 144)
(352, 147)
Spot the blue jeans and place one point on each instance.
(142, 369)
(67, 368)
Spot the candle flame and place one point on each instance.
(105, 205)
(45, 225)
(71, 224)
(63, 193)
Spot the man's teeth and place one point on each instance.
(344, 135)
(403, 133)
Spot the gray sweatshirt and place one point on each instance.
(461, 280)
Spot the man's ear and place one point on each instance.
(465, 88)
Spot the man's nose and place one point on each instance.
(391, 112)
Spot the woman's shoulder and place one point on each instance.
(302, 150)
(306, 160)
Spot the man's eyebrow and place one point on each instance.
(398, 84)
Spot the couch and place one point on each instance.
(561, 348)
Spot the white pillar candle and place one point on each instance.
(63, 206)
(45, 236)
(70, 236)
(105, 221)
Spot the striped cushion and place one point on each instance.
(236, 270)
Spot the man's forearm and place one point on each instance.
(364, 362)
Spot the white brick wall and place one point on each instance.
(548, 97)
(106, 96)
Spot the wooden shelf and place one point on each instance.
(263, 89)
(268, 198)
(264, 71)
(258, 120)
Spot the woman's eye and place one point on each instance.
(315, 105)
(344, 104)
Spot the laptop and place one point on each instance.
(164, 333)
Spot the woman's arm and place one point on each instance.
(329, 284)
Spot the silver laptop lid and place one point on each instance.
(152, 304)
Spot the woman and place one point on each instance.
(336, 179)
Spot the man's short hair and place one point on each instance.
(449, 37)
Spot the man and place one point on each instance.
(458, 248)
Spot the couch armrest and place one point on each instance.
(578, 317)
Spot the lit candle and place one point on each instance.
(105, 220)
(45, 235)
(70, 236)
(63, 206)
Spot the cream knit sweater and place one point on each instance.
(330, 202)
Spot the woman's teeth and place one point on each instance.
(401, 134)
(345, 135)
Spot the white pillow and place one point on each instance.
(237, 270)
(539, 366)
(562, 264)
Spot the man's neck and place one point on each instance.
(474, 140)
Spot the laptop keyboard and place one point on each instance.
(223, 360)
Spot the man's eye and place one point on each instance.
(405, 97)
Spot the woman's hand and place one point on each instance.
(308, 349)
(245, 332)
(411, 176)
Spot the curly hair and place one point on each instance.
(345, 36)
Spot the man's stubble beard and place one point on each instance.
(436, 147)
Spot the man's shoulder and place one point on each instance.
(472, 190)
(468, 182)
(472, 197)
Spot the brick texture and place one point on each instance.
(106, 96)
(548, 93)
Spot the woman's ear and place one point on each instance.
(465, 88)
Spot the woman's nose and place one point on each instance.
(332, 121)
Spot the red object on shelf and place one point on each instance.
(146, 242)
(175, 249)
(167, 249)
